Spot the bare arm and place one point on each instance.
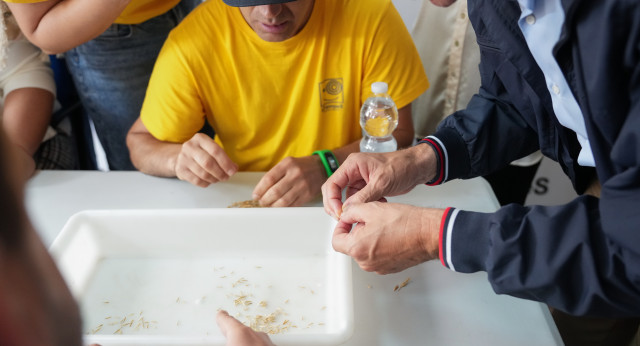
(27, 113)
(404, 133)
(149, 155)
(57, 26)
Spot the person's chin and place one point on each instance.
(274, 33)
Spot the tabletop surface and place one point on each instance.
(438, 307)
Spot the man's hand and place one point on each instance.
(292, 182)
(202, 162)
(370, 177)
(388, 237)
(238, 334)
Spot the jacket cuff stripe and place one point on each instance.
(445, 159)
(440, 176)
(446, 233)
(443, 222)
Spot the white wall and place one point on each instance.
(408, 10)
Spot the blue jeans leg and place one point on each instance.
(111, 74)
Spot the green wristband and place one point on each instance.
(329, 161)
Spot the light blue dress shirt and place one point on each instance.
(541, 22)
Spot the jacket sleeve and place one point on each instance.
(582, 257)
(558, 255)
(484, 137)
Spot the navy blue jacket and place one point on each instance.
(582, 257)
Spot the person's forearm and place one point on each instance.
(57, 26)
(26, 117)
(404, 137)
(404, 133)
(420, 162)
(342, 153)
(152, 156)
(430, 222)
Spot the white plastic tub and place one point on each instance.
(158, 277)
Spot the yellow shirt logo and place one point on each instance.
(331, 94)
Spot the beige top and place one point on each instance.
(447, 45)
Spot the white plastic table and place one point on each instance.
(438, 307)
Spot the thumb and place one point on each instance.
(366, 194)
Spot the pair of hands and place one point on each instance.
(383, 237)
(292, 182)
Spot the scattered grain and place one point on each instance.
(403, 284)
(245, 204)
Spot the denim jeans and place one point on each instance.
(111, 74)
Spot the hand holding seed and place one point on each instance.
(388, 237)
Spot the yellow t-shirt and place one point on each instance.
(136, 12)
(269, 100)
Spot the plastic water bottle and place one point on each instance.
(378, 119)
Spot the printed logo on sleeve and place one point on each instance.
(331, 94)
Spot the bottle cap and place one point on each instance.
(379, 88)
